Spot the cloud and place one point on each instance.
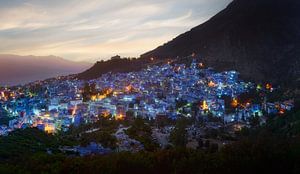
(89, 30)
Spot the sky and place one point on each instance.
(90, 30)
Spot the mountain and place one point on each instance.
(259, 38)
(16, 69)
(120, 65)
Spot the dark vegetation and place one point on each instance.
(4, 118)
(99, 132)
(142, 132)
(25, 143)
(271, 148)
(115, 66)
(178, 136)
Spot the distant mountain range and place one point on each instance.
(258, 38)
(16, 69)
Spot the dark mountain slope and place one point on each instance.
(115, 66)
(259, 38)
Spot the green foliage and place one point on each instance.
(142, 132)
(163, 121)
(26, 142)
(102, 137)
(88, 91)
(254, 121)
(180, 103)
(4, 117)
(212, 118)
(285, 125)
(37, 89)
(179, 135)
(103, 124)
(273, 148)
(99, 132)
(265, 154)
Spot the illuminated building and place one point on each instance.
(74, 110)
(234, 102)
(117, 57)
(105, 114)
(93, 97)
(120, 112)
(211, 84)
(147, 93)
(258, 87)
(101, 97)
(128, 88)
(204, 106)
(281, 111)
(201, 65)
(49, 128)
(78, 119)
(120, 117)
(41, 126)
(269, 87)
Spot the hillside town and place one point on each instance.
(159, 91)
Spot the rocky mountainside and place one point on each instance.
(258, 38)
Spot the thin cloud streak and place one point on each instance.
(89, 30)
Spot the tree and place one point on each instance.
(179, 135)
(129, 116)
(86, 92)
(143, 133)
(254, 121)
(93, 89)
(214, 147)
(200, 143)
(102, 137)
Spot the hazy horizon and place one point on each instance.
(18, 70)
(95, 29)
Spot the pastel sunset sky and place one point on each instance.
(89, 30)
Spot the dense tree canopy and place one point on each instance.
(273, 148)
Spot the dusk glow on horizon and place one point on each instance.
(149, 86)
(97, 29)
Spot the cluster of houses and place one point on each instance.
(165, 90)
